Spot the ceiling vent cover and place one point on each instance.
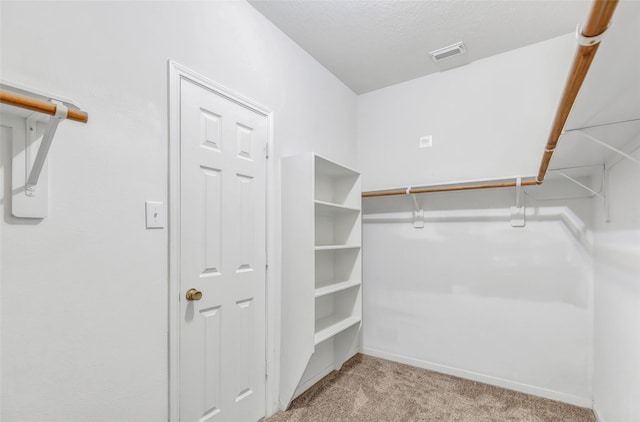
(446, 52)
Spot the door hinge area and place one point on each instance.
(266, 150)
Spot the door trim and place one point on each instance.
(177, 73)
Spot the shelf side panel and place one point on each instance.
(320, 365)
(297, 337)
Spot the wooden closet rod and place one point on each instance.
(445, 188)
(597, 24)
(40, 106)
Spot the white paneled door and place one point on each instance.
(222, 258)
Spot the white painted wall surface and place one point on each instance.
(488, 119)
(469, 294)
(616, 382)
(84, 292)
(472, 296)
(614, 97)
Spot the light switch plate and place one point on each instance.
(156, 214)
(426, 141)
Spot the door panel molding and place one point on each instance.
(178, 73)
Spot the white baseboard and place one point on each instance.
(595, 412)
(275, 408)
(474, 376)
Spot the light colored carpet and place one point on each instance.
(369, 389)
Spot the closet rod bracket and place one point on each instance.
(518, 211)
(418, 212)
(32, 118)
(588, 41)
(47, 138)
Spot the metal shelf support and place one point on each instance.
(606, 145)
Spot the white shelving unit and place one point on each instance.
(321, 270)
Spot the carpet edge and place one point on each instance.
(584, 402)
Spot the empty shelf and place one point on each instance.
(329, 287)
(332, 325)
(329, 208)
(336, 247)
(329, 168)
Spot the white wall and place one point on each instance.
(469, 294)
(84, 292)
(488, 119)
(616, 384)
(472, 296)
(612, 94)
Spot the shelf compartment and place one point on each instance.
(333, 266)
(336, 184)
(337, 228)
(333, 324)
(327, 167)
(327, 288)
(336, 312)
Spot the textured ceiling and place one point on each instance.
(373, 44)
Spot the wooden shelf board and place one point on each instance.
(329, 287)
(332, 325)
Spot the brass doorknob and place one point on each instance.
(193, 294)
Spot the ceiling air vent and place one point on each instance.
(446, 52)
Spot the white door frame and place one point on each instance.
(177, 73)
